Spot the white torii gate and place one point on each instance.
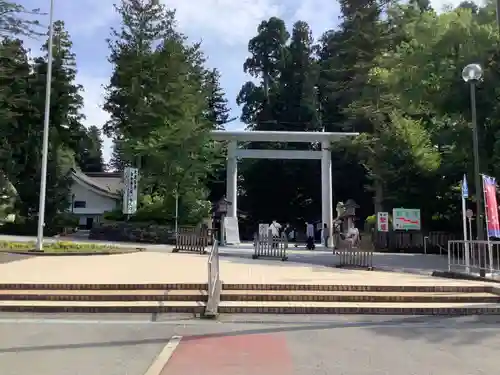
(233, 153)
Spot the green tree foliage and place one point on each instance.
(163, 102)
(89, 152)
(218, 109)
(22, 85)
(118, 161)
(284, 98)
(393, 73)
(15, 20)
(390, 71)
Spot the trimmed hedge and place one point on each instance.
(133, 232)
(59, 247)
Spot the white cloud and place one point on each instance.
(84, 20)
(321, 15)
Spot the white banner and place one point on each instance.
(232, 230)
(130, 179)
(383, 221)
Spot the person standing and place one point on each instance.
(310, 236)
(275, 229)
(325, 235)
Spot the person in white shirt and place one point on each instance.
(310, 236)
(275, 228)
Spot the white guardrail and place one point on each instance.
(214, 283)
(474, 258)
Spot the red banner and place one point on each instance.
(490, 203)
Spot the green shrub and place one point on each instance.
(116, 215)
(371, 220)
(28, 226)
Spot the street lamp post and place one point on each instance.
(45, 144)
(472, 74)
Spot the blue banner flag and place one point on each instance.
(465, 188)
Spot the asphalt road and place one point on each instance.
(242, 344)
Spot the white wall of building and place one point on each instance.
(95, 204)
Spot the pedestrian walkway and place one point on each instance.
(162, 267)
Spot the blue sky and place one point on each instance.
(223, 26)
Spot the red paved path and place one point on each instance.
(263, 354)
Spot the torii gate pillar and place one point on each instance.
(232, 179)
(326, 190)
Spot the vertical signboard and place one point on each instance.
(406, 219)
(383, 221)
(130, 179)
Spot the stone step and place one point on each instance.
(451, 288)
(229, 307)
(104, 295)
(84, 307)
(243, 295)
(364, 297)
(72, 287)
(449, 309)
(457, 288)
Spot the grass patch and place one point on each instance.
(59, 247)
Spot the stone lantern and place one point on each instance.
(220, 211)
(350, 212)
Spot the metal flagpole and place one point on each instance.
(45, 141)
(465, 195)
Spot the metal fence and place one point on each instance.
(350, 256)
(194, 240)
(474, 258)
(432, 242)
(269, 246)
(214, 283)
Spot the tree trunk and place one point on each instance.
(378, 199)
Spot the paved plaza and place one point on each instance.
(165, 267)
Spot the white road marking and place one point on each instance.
(162, 359)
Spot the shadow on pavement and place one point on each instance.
(8, 258)
(419, 264)
(471, 331)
